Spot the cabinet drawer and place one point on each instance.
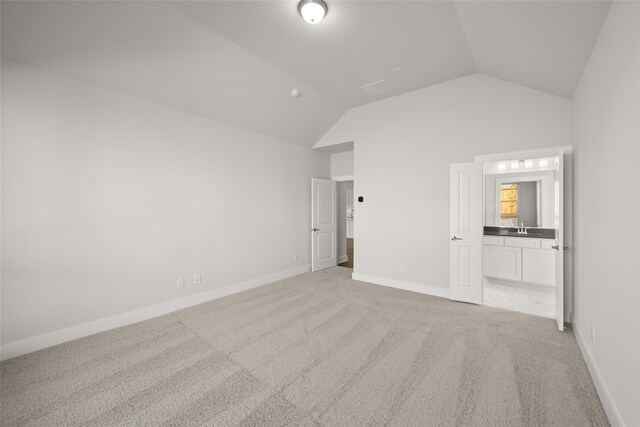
(501, 262)
(522, 242)
(547, 243)
(538, 266)
(493, 240)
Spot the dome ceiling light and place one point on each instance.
(312, 11)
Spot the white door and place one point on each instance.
(323, 224)
(465, 225)
(559, 246)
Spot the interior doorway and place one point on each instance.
(507, 248)
(349, 262)
(346, 224)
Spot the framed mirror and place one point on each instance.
(518, 203)
(514, 199)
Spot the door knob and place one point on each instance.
(315, 229)
(456, 238)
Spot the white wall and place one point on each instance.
(403, 148)
(607, 213)
(107, 199)
(342, 165)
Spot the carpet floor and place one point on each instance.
(317, 349)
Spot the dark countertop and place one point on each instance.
(534, 233)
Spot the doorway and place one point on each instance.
(346, 224)
(508, 232)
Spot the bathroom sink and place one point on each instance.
(537, 233)
(510, 233)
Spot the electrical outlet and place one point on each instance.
(401, 268)
(593, 334)
(197, 279)
(180, 283)
(295, 257)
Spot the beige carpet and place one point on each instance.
(317, 349)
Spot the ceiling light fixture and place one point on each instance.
(312, 11)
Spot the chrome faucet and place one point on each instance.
(522, 229)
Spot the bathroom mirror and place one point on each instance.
(519, 198)
(518, 204)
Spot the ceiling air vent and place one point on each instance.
(376, 88)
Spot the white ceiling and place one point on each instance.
(357, 43)
(237, 61)
(151, 51)
(540, 44)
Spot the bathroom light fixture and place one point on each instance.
(543, 163)
(502, 166)
(515, 164)
(312, 11)
(528, 164)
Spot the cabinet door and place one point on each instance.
(538, 266)
(502, 262)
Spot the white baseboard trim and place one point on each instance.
(343, 258)
(603, 392)
(401, 284)
(28, 345)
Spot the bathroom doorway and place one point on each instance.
(521, 247)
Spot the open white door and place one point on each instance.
(323, 224)
(465, 225)
(559, 247)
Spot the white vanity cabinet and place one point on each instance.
(538, 266)
(502, 262)
(519, 259)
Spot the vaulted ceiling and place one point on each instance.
(237, 61)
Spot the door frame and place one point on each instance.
(567, 223)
